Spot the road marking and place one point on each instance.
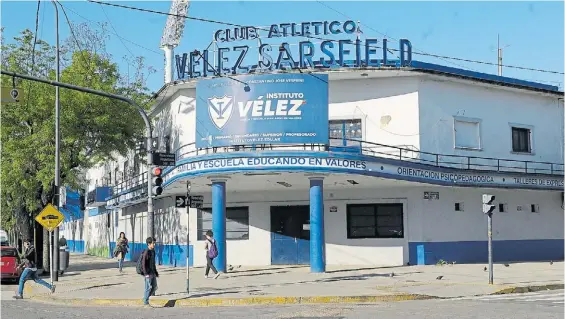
(545, 296)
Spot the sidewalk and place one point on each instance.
(96, 281)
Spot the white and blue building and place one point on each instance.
(375, 165)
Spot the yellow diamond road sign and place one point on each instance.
(49, 217)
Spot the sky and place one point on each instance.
(531, 33)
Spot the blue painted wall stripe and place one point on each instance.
(166, 255)
(429, 253)
(75, 246)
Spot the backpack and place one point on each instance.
(139, 264)
(213, 250)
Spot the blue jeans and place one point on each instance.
(32, 274)
(150, 288)
(120, 262)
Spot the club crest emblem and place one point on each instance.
(220, 110)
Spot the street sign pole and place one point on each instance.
(187, 238)
(50, 218)
(490, 268)
(51, 256)
(488, 209)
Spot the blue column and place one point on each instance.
(219, 222)
(317, 240)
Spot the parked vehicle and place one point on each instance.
(4, 238)
(9, 261)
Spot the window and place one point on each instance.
(459, 207)
(343, 131)
(503, 208)
(534, 208)
(467, 133)
(8, 252)
(375, 221)
(237, 222)
(521, 142)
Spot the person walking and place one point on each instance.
(122, 247)
(30, 271)
(147, 268)
(211, 253)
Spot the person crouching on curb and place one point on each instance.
(146, 267)
(211, 253)
(30, 271)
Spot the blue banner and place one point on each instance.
(262, 109)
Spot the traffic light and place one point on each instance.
(488, 206)
(157, 180)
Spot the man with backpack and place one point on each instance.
(147, 268)
(211, 253)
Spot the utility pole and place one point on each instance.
(499, 56)
(55, 256)
(142, 113)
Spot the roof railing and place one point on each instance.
(352, 146)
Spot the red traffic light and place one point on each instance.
(157, 171)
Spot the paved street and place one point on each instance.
(518, 306)
(551, 297)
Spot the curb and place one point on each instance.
(525, 289)
(223, 302)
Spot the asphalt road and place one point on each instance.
(547, 305)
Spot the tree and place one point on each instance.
(93, 128)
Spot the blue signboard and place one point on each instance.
(262, 109)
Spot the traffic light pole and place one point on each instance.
(55, 234)
(187, 237)
(142, 113)
(490, 268)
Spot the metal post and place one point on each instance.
(148, 129)
(55, 257)
(499, 58)
(150, 215)
(490, 268)
(51, 256)
(34, 244)
(187, 238)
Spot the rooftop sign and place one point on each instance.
(325, 54)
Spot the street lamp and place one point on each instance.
(55, 258)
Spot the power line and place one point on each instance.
(115, 33)
(383, 34)
(33, 49)
(112, 26)
(89, 62)
(324, 39)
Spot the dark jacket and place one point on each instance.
(122, 246)
(28, 258)
(148, 266)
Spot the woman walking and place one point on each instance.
(211, 253)
(121, 250)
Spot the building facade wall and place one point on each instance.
(434, 230)
(414, 112)
(497, 109)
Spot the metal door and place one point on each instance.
(290, 235)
